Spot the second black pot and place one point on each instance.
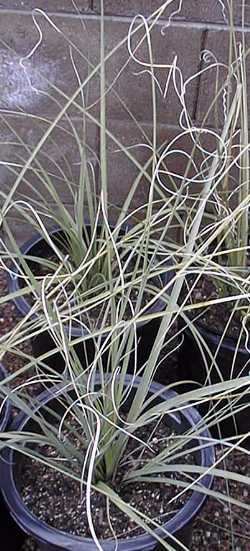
(192, 367)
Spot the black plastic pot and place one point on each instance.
(10, 532)
(146, 332)
(50, 539)
(193, 368)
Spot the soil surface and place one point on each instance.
(216, 316)
(220, 526)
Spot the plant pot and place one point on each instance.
(10, 532)
(193, 368)
(51, 539)
(146, 332)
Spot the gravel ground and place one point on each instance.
(220, 526)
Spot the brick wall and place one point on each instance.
(32, 99)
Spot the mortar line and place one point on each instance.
(190, 25)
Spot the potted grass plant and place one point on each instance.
(87, 436)
(85, 255)
(217, 346)
(113, 506)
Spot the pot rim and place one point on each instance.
(215, 337)
(52, 536)
(24, 307)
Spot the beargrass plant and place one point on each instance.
(220, 155)
(94, 265)
(228, 205)
(218, 166)
(91, 262)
